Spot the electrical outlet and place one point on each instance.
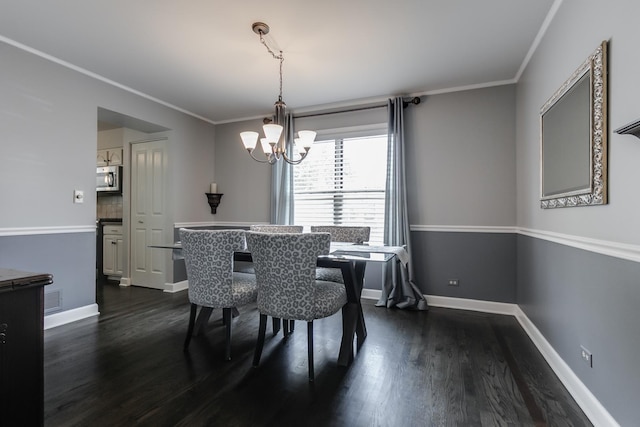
(587, 357)
(454, 282)
(78, 196)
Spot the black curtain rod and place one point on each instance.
(415, 101)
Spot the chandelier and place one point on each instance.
(274, 144)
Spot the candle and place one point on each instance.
(214, 188)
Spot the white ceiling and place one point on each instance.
(201, 56)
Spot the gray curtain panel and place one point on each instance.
(282, 181)
(398, 289)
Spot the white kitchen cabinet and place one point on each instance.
(109, 157)
(112, 250)
(102, 158)
(115, 156)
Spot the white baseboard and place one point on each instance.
(371, 294)
(472, 305)
(59, 319)
(591, 406)
(172, 288)
(457, 303)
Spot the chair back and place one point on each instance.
(208, 256)
(285, 265)
(340, 233)
(276, 228)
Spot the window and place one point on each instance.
(342, 182)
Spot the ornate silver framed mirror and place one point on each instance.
(573, 138)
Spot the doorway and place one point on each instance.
(121, 130)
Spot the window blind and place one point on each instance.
(342, 182)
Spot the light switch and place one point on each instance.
(78, 196)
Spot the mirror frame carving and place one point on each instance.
(596, 193)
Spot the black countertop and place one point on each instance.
(108, 220)
(15, 279)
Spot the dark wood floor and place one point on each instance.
(438, 368)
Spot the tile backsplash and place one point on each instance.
(109, 206)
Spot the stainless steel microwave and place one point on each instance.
(109, 179)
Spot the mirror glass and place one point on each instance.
(573, 138)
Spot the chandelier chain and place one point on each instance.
(278, 57)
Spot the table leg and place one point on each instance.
(349, 320)
(352, 316)
(361, 327)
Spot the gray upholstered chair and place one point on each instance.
(287, 288)
(344, 234)
(247, 267)
(208, 256)
(276, 228)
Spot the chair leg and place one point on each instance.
(310, 345)
(260, 344)
(287, 326)
(276, 326)
(226, 315)
(192, 321)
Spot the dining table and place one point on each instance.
(351, 259)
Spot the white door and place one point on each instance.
(148, 216)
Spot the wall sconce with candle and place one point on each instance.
(213, 197)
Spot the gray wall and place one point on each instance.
(460, 161)
(460, 158)
(576, 31)
(576, 297)
(246, 184)
(48, 142)
(483, 263)
(69, 257)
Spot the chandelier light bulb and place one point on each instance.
(307, 137)
(297, 146)
(272, 132)
(266, 146)
(249, 139)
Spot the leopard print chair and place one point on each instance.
(285, 266)
(339, 233)
(342, 233)
(276, 228)
(208, 256)
(247, 267)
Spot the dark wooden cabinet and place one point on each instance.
(21, 347)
